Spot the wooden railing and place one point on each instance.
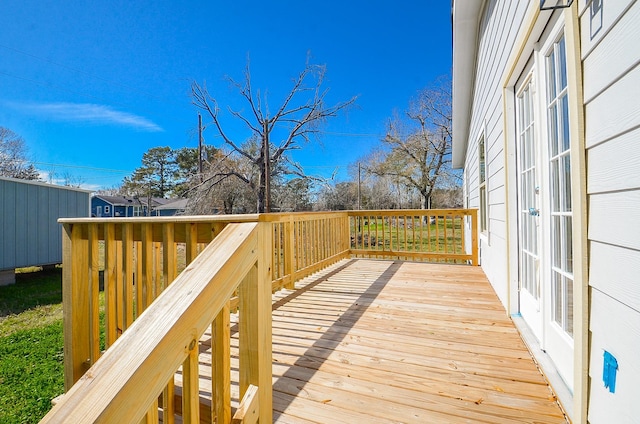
(133, 260)
(436, 235)
(305, 243)
(116, 271)
(127, 381)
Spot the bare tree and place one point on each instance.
(13, 157)
(295, 122)
(228, 186)
(417, 147)
(71, 180)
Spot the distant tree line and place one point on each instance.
(411, 167)
(14, 162)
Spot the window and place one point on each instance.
(137, 211)
(596, 17)
(99, 211)
(107, 210)
(482, 169)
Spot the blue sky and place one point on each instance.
(92, 85)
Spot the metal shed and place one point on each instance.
(29, 231)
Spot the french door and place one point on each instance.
(528, 208)
(559, 215)
(545, 254)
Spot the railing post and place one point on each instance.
(255, 325)
(265, 348)
(474, 237)
(75, 301)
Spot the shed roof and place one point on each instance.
(174, 204)
(128, 201)
(44, 184)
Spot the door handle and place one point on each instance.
(534, 212)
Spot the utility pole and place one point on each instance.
(200, 147)
(359, 167)
(267, 167)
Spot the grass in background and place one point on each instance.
(441, 236)
(31, 346)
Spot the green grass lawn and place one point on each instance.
(445, 235)
(31, 343)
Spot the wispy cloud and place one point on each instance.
(90, 113)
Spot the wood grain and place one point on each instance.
(389, 341)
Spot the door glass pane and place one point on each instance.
(569, 301)
(556, 234)
(568, 245)
(553, 129)
(551, 75)
(556, 292)
(562, 64)
(524, 280)
(566, 141)
(566, 181)
(554, 175)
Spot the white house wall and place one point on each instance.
(498, 29)
(611, 75)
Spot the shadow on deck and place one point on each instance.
(391, 341)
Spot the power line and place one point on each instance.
(343, 134)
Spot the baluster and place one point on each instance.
(146, 256)
(127, 251)
(110, 263)
(94, 294)
(191, 385)
(221, 367)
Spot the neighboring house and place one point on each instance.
(173, 207)
(546, 123)
(123, 206)
(29, 231)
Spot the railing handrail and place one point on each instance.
(408, 212)
(163, 219)
(122, 385)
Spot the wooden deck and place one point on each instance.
(373, 341)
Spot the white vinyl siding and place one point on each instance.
(611, 63)
(618, 330)
(498, 29)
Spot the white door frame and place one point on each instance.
(537, 25)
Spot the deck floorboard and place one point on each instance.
(377, 341)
